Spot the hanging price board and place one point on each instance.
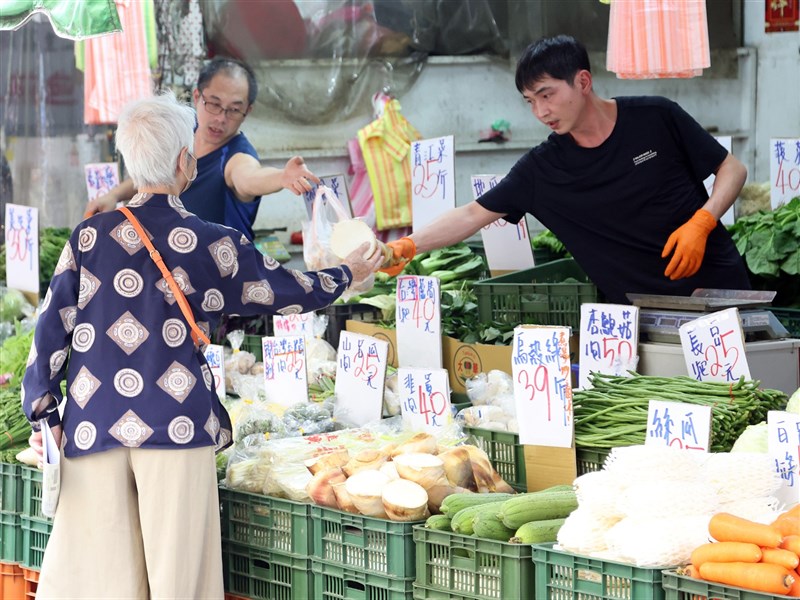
(433, 189)
(542, 387)
(216, 364)
(508, 246)
(784, 170)
(424, 398)
(300, 324)
(713, 347)
(418, 322)
(338, 185)
(22, 248)
(100, 178)
(609, 340)
(678, 425)
(783, 445)
(360, 376)
(728, 218)
(285, 376)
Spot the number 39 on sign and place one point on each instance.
(424, 397)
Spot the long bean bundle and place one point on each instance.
(613, 412)
(14, 427)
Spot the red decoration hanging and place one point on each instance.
(781, 15)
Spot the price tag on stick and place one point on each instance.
(360, 377)
(678, 425)
(609, 338)
(216, 363)
(784, 170)
(285, 379)
(418, 321)
(424, 398)
(22, 248)
(433, 190)
(713, 347)
(783, 444)
(299, 324)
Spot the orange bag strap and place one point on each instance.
(197, 333)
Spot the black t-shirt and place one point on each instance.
(614, 206)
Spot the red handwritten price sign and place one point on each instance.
(22, 248)
(338, 185)
(508, 246)
(360, 376)
(285, 379)
(678, 425)
(418, 322)
(300, 324)
(216, 364)
(424, 398)
(100, 178)
(433, 189)
(783, 445)
(609, 340)
(784, 170)
(542, 385)
(713, 347)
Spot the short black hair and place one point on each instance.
(559, 57)
(230, 66)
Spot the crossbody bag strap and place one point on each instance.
(197, 333)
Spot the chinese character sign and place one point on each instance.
(213, 354)
(100, 178)
(784, 170)
(728, 218)
(418, 322)
(360, 376)
(508, 246)
(285, 379)
(783, 445)
(713, 347)
(300, 324)
(609, 340)
(338, 186)
(22, 248)
(424, 398)
(678, 425)
(432, 179)
(542, 385)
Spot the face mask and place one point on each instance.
(189, 180)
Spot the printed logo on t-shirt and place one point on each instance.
(637, 160)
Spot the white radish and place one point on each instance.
(347, 236)
(405, 500)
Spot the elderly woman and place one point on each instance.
(138, 515)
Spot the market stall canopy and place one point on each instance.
(70, 19)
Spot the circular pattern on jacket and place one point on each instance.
(226, 257)
(85, 435)
(213, 426)
(128, 333)
(128, 283)
(128, 234)
(133, 432)
(69, 316)
(83, 337)
(174, 332)
(213, 300)
(82, 388)
(179, 381)
(181, 430)
(128, 382)
(87, 238)
(46, 301)
(260, 292)
(208, 377)
(57, 360)
(292, 309)
(182, 240)
(271, 263)
(328, 283)
(86, 289)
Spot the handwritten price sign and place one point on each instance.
(285, 379)
(713, 347)
(424, 398)
(609, 340)
(542, 387)
(22, 248)
(360, 376)
(216, 364)
(783, 445)
(432, 179)
(338, 185)
(300, 324)
(784, 170)
(100, 178)
(418, 319)
(678, 425)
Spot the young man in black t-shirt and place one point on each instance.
(619, 181)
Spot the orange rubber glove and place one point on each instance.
(689, 243)
(403, 250)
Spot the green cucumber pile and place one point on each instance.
(613, 412)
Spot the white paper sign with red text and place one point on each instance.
(22, 248)
(784, 170)
(609, 338)
(678, 425)
(418, 322)
(216, 363)
(285, 378)
(360, 376)
(713, 347)
(424, 398)
(433, 189)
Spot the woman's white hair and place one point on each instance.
(150, 135)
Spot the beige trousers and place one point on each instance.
(136, 524)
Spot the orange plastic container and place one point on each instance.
(31, 582)
(12, 582)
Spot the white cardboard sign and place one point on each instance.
(725, 141)
(285, 378)
(433, 189)
(22, 248)
(784, 170)
(338, 186)
(360, 376)
(216, 363)
(678, 425)
(424, 398)
(100, 178)
(542, 385)
(713, 347)
(299, 324)
(418, 322)
(783, 445)
(609, 340)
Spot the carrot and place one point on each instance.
(792, 512)
(791, 542)
(795, 591)
(693, 572)
(761, 577)
(784, 558)
(726, 552)
(787, 525)
(725, 527)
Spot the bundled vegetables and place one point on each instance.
(14, 427)
(14, 354)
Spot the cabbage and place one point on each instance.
(12, 304)
(794, 403)
(752, 439)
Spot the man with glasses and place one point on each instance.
(230, 179)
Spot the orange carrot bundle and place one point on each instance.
(725, 527)
(720, 552)
(791, 543)
(776, 556)
(761, 577)
(787, 524)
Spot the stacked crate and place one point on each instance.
(12, 583)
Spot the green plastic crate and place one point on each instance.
(10, 537)
(252, 344)
(263, 575)
(10, 487)
(790, 318)
(31, 492)
(334, 582)
(469, 567)
(505, 453)
(564, 576)
(366, 544)
(266, 523)
(537, 296)
(678, 587)
(590, 459)
(35, 533)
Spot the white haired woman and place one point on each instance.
(138, 515)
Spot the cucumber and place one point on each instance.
(438, 522)
(488, 525)
(537, 506)
(456, 502)
(538, 532)
(463, 521)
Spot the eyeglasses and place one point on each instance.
(216, 109)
